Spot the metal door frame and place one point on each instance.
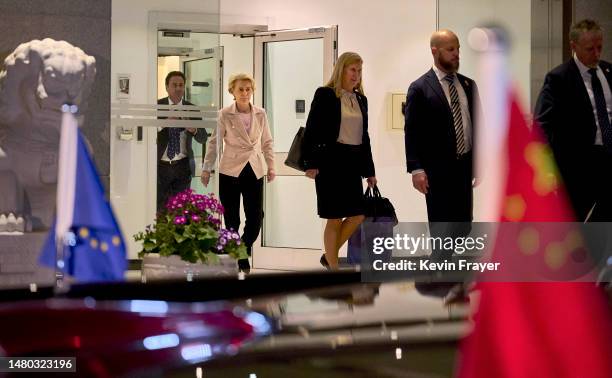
(329, 34)
(215, 53)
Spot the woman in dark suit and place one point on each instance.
(337, 153)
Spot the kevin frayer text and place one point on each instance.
(428, 265)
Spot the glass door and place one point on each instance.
(286, 85)
(203, 74)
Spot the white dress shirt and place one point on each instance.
(465, 108)
(587, 79)
(183, 142)
(463, 102)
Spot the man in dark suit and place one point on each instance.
(439, 126)
(573, 110)
(175, 161)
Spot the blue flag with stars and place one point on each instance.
(95, 250)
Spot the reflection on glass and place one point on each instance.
(200, 66)
(169, 340)
(196, 352)
(200, 83)
(149, 307)
(199, 153)
(259, 322)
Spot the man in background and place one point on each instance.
(574, 109)
(175, 161)
(439, 117)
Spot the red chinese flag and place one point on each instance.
(537, 329)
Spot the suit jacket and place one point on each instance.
(565, 114)
(429, 131)
(241, 148)
(323, 129)
(163, 134)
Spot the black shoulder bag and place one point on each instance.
(295, 157)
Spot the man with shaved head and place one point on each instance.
(439, 116)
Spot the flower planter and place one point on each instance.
(189, 224)
(155, 267)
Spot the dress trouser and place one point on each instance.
(251, 189)
(172, 178)
(602, 184)
(589, 184)
(449, 203)
(449, 198)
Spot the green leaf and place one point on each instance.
(194, 242)
(207, 232)
(166, 250)
(149, 245)
(238, 252)
(190, 232)
(179, 238)
(208, 245)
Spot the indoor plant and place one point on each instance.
(190, 226)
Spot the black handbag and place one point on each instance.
(295, 159)
(377, 206)
(380, 220)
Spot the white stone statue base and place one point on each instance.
(156, 267)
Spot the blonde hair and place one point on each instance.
(335, 82)
(238, 77)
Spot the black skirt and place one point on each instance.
(339, 183)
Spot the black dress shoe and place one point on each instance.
(324, 262)
(244, 266)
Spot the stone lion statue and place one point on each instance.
(39, 77)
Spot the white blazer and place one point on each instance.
(240, 148)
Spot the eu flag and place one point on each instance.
(94, 248)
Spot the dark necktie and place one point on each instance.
(600, 106)
(174, 142)
(174, 139)
(456, 109)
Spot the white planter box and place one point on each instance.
(155, 267)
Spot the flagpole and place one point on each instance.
(491, 43)
(59, 265)
(65, 191)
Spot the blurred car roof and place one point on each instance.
(298, 324)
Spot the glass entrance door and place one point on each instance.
(203, 74)
(289, 66)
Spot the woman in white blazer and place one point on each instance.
(247, 156)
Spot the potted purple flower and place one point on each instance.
(190, 227)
